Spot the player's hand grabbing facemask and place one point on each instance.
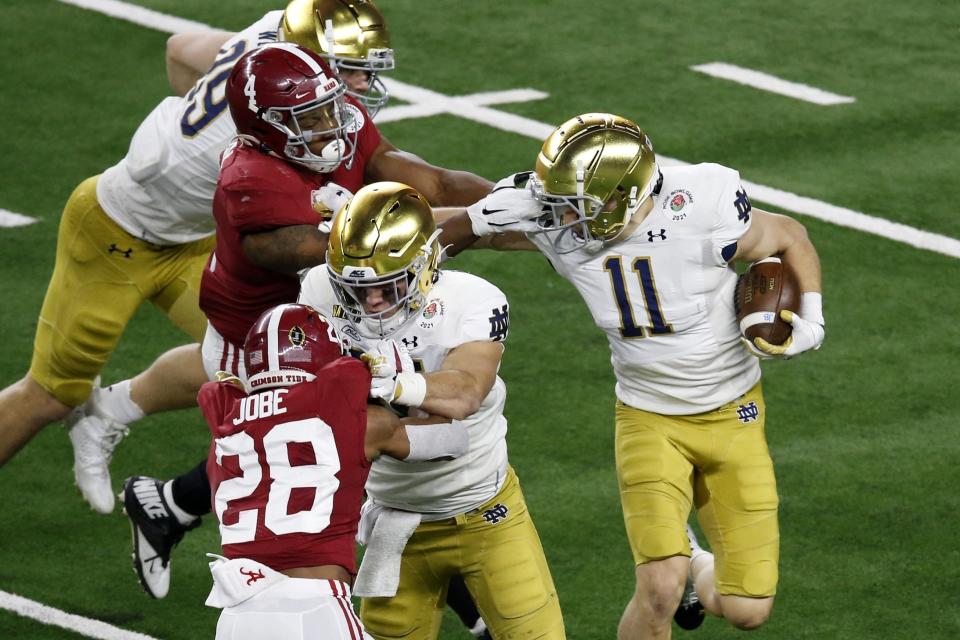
(394, 378)
(808, 331)
(510, 206)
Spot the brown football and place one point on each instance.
(765, 289)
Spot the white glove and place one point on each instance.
(369, 513)
(327, 201)
(390, 364)
(808, 330)
(508, 207)
(805, 336)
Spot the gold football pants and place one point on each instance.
(497, 551)
(101, 276)
(717, 461)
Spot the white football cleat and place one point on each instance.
(94, 439)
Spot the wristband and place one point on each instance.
(411, 389)
(811, 307)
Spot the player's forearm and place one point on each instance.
(287, 249)
(452, 394)
(802, 257)
(457, 234)
(189, 55)
(461, 188)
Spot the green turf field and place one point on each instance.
(864, 433)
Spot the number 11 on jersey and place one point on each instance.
(628, 325)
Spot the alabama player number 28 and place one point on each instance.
(235, 501)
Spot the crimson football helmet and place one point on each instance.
(287, 345)
(285, 97)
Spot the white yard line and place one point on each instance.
(773, 84)
(426, 102)
(48, 615)
(140, 15)
(424, 109)
(11, 219)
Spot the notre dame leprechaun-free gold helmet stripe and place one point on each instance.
(590, 160)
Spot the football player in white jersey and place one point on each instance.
(143, 230)
(651, 251)
(433, 340)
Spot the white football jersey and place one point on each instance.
(162, 191)
(664, 296)
(461, 308)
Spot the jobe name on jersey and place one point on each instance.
(261, 405)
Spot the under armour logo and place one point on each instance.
(499, 324)
(748, 412)
(742, 203)
(115, 249)
(495, 514)
(651, 235)
(410, 343)
(252, 576)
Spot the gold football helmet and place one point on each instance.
(593, 172)
(383, 255)
(357, 39)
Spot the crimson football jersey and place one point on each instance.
(258, 192)
(287, 467)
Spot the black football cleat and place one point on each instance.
(156, 531)
(690, 614)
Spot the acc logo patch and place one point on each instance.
(356, 120)
(431, 314)
(677, 200)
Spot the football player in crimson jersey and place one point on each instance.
(650, 250)
(290, 455)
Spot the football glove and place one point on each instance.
(327, 201)
(806, 336)
(508, 207)
(394, 378)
